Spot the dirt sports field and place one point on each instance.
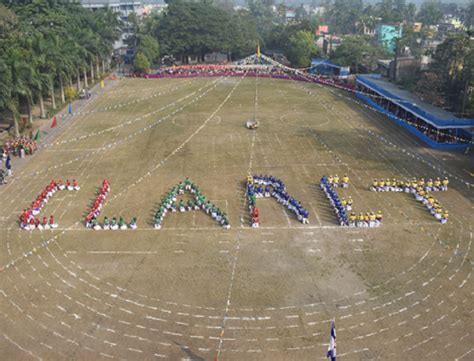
(194, 291)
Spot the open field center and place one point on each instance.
(195, 291)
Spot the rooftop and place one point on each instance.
(437, 117)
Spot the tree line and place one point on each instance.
(45, 47)
(196, 28)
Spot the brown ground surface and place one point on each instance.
(195, 291)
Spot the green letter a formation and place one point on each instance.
(198, 201)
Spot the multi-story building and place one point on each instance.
(387, 35)
(123, 8)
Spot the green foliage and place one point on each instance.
(148, 46)
(467, 15)
(245, 34)
(430, 12)
(450, 77)
(43, 43)
(141, 63)
(453, 61)
(301, 49)
(189, 28)
(357, 50)
(392, 11)
(344, 14)
(70, 93)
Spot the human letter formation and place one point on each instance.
(257, 186)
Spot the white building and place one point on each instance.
(123, 8)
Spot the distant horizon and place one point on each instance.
(321, 2)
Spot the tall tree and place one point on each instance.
(195, 29)
(467, 15)
(356, 51)
(43, 45)
(454, 62)
(344, 14)
(301, 49)
(430, 12)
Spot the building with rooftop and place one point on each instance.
(387, 36)
(123, 8)
(435, 126)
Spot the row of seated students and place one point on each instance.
(336, 182)
(112, 224)
(409, 186)
(421, 190)
(432, 205)
(27, 217)
(96, 207)
(333, 198)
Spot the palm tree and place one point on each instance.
(108, 26)
(55, 42)
(5, 84)
(64, 65)
(21, 72)
(366, 24)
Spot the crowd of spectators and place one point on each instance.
(268, 71)
(216, 70)
(20, 147)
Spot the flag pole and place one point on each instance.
(331, 354)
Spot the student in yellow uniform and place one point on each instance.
(444, 218)
(444, 184)
(352, 220)
(345, 181)
(420, 194)
(381, 186)
(429, 185)
(366, 220)
(372, 220)
(349, 203)
(395, 185)
(331, 180)
(435, 207)
(344, 202)
(378, 216)
(375, 184)
(407, 186)
(401, 186)
(430, 202)
(414, 185)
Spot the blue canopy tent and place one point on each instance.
(325, 67)
(435, 126)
